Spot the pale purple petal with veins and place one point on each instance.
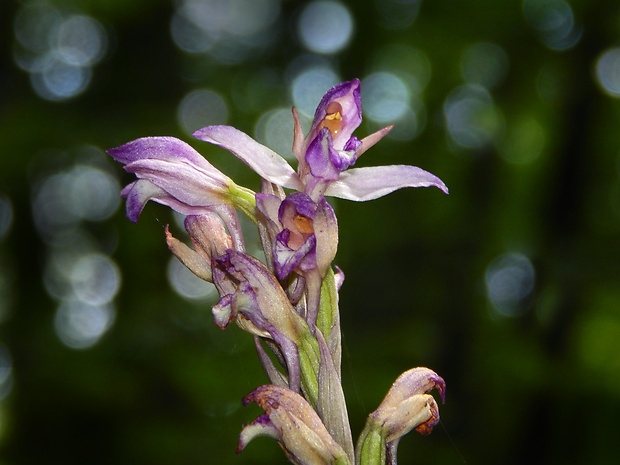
(264, 161)
(164, 148)
(362, 184)
(172, 173)
(139, 192)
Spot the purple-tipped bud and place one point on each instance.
(406, 406)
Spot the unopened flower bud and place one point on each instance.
(406, 406)
(291, 420)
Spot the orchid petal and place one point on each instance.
(372, 139)
(347, 97)
(172, 173)
(166, 148)
(262, 426)
(138, 193)
(182, 181)
(264, 161)
(362, 184)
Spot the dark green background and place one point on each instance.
(164, 386)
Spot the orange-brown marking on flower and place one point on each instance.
(303, 224)
(333, 118)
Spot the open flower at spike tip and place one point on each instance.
(291, 420)
(325, 154)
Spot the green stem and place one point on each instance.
(370, 448)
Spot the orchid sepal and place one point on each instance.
(265, 162)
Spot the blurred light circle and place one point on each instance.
(608, 71)
(309, 87)
(80, 325)
(325, 26)
(226, 29)
(60, 80)
(95, 279)
(509, 281)
(385, 97)
(250, 17)
(201, 108)
(33, 25)
(472, 119)
(275, 130)
(410, 124)
(80, 40)
(484, 64)
(188, 35)
(555, 22)
(62, 200)
(187, 284)
(410, 64)
(93, 193)
(51, 205)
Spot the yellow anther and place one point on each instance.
(303, 224)
(333, 118)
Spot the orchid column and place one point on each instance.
(289, 302)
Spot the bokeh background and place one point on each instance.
(508, 287)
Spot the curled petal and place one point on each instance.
(342, 101)
(320, 156)
(286, 259)
(172, 173)
(139, 192)
(264, 161)
(262, 426)
(362, 184)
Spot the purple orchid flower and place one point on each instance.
(172, 173)
(304, 238)
(325, 154)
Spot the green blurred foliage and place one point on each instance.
(164, 385)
